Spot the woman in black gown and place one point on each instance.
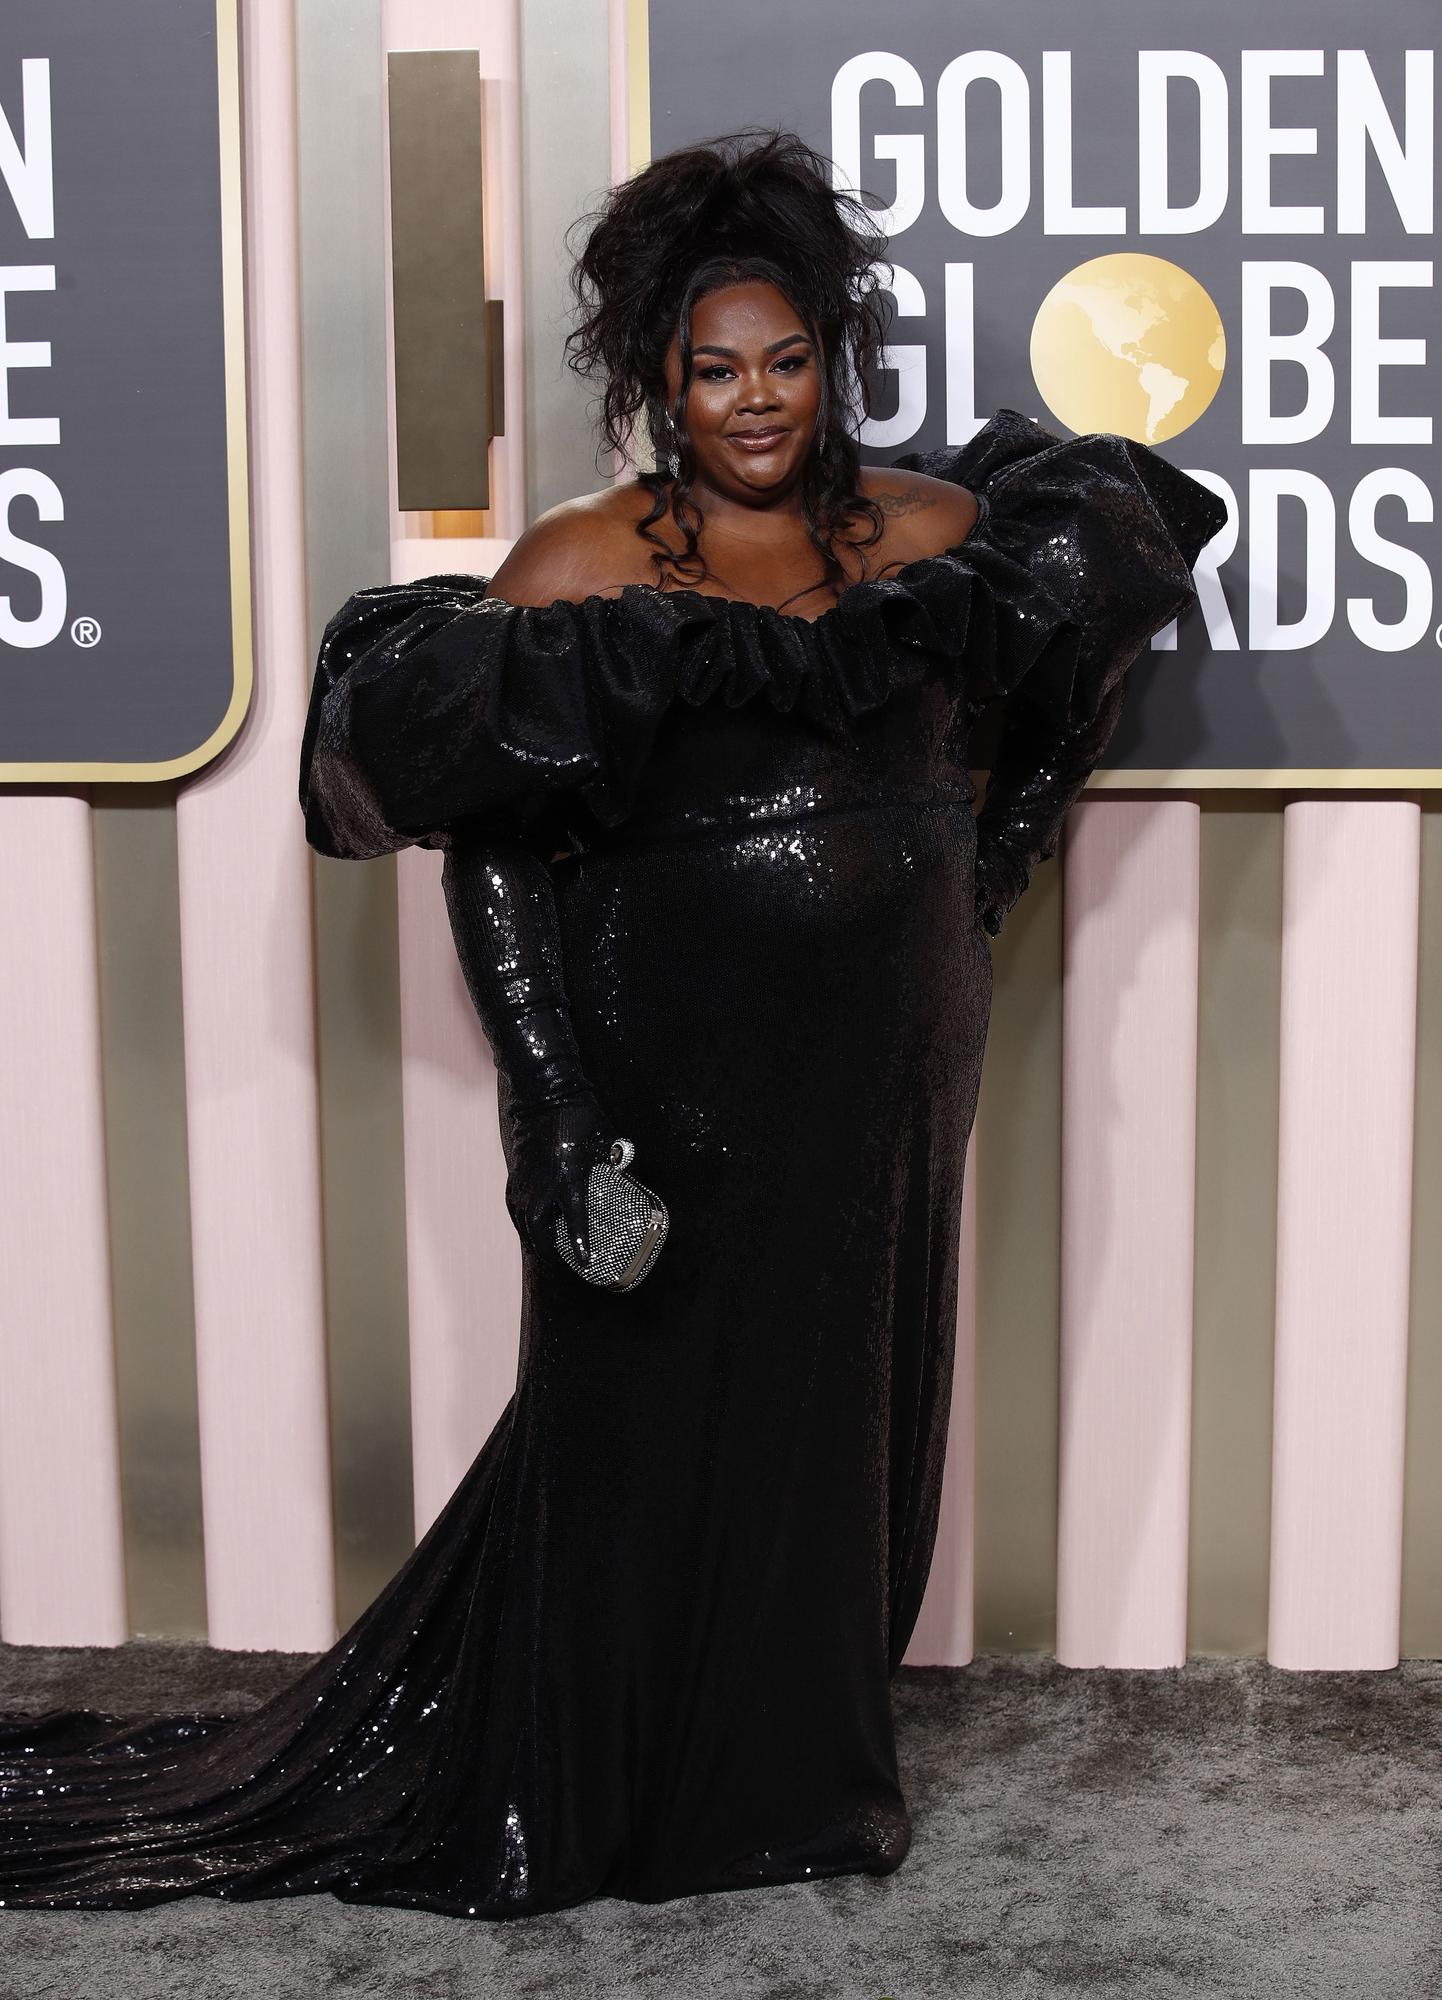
(698, 763)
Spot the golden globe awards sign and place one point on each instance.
(1115, 217)
(124, 584)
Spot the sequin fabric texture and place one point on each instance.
(645, 1650)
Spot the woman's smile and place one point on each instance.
(757, 437)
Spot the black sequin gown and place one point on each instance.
(645, 1649)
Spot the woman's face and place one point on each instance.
(755, 391)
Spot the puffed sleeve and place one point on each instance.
(1102, 534)
(436, 706)
(442, 717)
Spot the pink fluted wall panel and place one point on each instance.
(62, 1578)
(619, 86)
(1351, 880)
(1129, 1054)
(250, 1058)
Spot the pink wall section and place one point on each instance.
(1129, 1055)
(250, 1056)
(1348, 1042)
(62, 1580)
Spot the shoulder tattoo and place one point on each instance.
(907, 501)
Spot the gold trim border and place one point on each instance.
(232, 257)
(1276, 778)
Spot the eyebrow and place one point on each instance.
(706, 347)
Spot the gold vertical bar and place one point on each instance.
(1422, 1501)
(137, 910)
(442, 367)
(1018, 1283)
(496, 349)
(1238, 1095)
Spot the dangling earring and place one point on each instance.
(672, 452)
(821, 431)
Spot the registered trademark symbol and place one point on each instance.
(85, 631)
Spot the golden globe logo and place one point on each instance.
(1128, 342)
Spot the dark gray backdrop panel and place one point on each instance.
(137, 381)
(1333, 706)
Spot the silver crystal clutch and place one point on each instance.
(625, 1220)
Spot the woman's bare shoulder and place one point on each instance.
(923, 515)
(584, 547)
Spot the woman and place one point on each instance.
(697, 759)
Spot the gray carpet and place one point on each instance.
(1222, 1829)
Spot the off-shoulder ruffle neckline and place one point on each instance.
(436, 701)
(713, 604)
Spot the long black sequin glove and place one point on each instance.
(1036, 776)
(502, 910)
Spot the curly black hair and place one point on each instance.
(756, 204)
